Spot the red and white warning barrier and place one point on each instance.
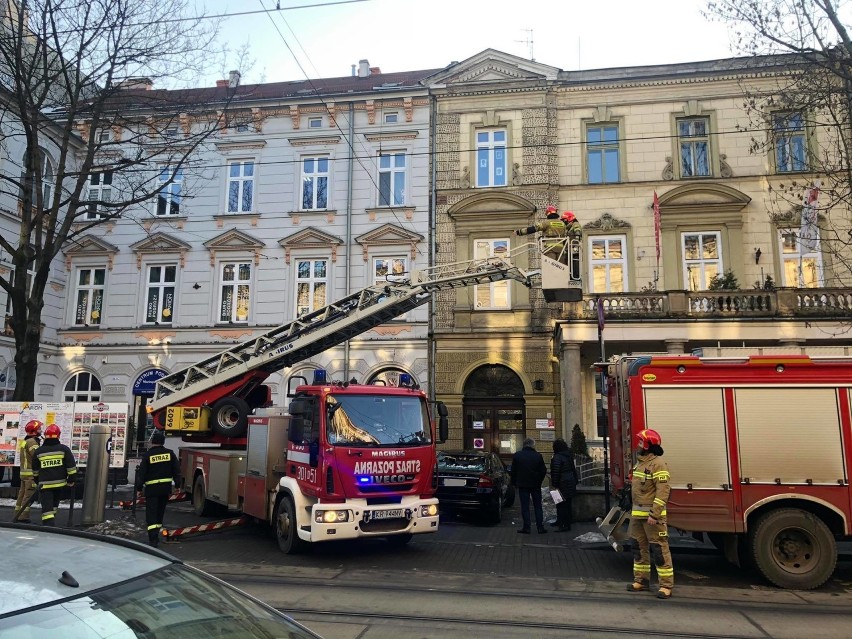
(127, 505)
(169, 534)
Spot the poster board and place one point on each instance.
(74, 420)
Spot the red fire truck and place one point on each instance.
(759, 450)
(349, 460)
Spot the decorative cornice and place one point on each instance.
(389, 235)
(395, 135)
(160, 243)
(606, 222)
(310, 238)
(311, 141)
(239, 145)
(234, 240)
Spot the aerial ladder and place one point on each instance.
(218, 393)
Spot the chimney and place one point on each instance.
(143, 84)
(221, 83)
(363, 68)
(375, 70)
(353, 70)
(234, 79)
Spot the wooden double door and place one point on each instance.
(495, 425)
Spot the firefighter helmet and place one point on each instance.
(52, 431)
(568, 217)
(33, 427)
(550, 210)
(647, 438)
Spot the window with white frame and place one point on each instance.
(608, 263)
(47, 178)
(235, 292)
(494, 295)
(160, 294)
(801, 263)
(790, 142)
(392, 178)
(99, 193)
(105, 136)
(169, 197)
(314, 183)
(8, 382)
(11, 277)
(82, 387)
(694, 142)
(315, 123)
(240, 186)
(702, 259)
(491, 157)
(311, 285)
(602, 153)
(89, 295)
(389, 269)
(391, 117)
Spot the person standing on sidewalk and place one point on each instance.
(54, 468)
(563, 477)
(650, 492)
(528, 472)
(158, 468)
(28, 447)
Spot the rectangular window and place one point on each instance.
(701, 259)
(391, 118)
(311, 286)
(235, 292)
(602, 149)
(801, 268)
(315, 123)
(240, 186)
(496, 294)
(168, 199)
(790, 146)
(392, 179)
(694, 140)
(314, 183)
(608, 263)
(11, 279)
(89, 296)
(389, 269)
(99, 193)
(160, 296)
(491, 158)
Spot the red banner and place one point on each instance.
(657, 224)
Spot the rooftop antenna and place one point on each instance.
(529, 42)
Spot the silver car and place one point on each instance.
(61, 583)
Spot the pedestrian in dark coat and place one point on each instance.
(528, 472)
(563, 477)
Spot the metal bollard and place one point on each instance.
(97, 471)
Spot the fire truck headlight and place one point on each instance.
(428, 511)
(331, 516)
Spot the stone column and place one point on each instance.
(571, 385)
(675, 346)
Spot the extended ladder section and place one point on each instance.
(329, 326)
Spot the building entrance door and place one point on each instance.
(494, 411)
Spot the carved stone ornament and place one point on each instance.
(606, 222)
(516, 174)
(464, 182)
(668, 169)
(725, 169)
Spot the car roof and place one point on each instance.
(35, 559)
(468, 453)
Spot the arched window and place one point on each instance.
(493, 380)
(390, 376)
(82, 387)
(47, 178)
(8, 380)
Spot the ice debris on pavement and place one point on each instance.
(590, 538)
(126, 527)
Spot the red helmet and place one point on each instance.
(568, 217)
(550, 209)
(52, 431)
(647, 438)
(33, 427)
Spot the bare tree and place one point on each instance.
(90, 137)
(805, 49)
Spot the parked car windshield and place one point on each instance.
(174, 602)
(469, 463)
(376, 420)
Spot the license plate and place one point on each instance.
(449, 481)
(387, 514)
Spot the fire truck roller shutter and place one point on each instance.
(230, 417)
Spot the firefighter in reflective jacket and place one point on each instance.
(54, 468)
(650, 491)
(555, 229)
(157, 470)
(28, 446)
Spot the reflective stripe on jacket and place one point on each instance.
(28, 447)
(650, 487)
(53, 465)
(159, 465)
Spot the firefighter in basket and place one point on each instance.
(28, 446)
(156, 472)
(555, 230)
(54, 468)
(650, 491)
(575, 232)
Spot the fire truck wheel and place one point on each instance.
(230, 417)
(793, 549)
(399, 540)
(200, 504)
(285, 527)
